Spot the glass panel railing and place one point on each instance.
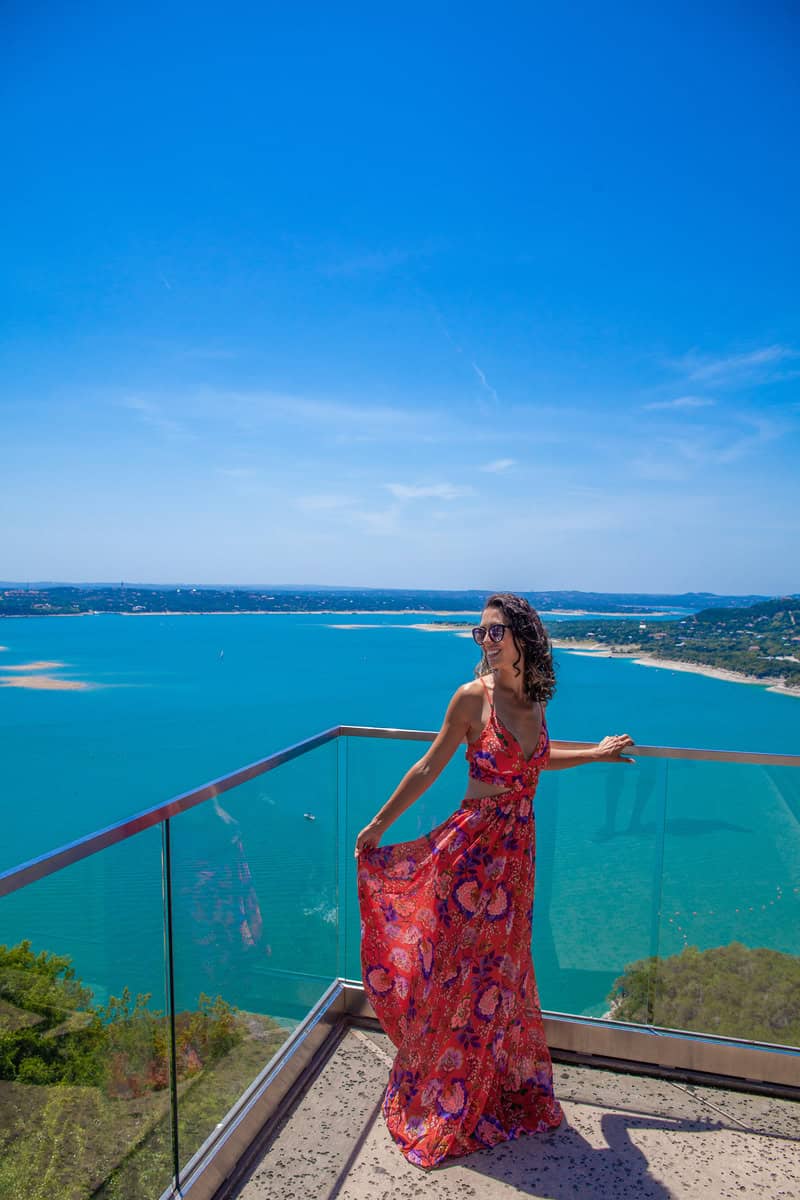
(372, 769)
(667, 891)
(255, 903)
(85, 1096)
(599, 847)
(729, 944)
(667, 894)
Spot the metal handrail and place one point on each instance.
(56, 860)
(752, 757)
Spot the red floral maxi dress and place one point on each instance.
(446, 958)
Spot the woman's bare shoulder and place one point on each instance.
(469, 697)
(475, 687)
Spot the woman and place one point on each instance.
(446, 919)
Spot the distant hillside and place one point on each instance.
(71, 599)
(761, 640)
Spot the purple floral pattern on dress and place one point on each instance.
(446, 935)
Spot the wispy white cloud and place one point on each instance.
(433, 491)
(659, 469)
(763, 431)
(382, 522)
(682, 402)
(323, 502)
(345, 420)
(498, 465)
(153, 414)
(485, 382)
(670, 459)
(237, 473)
(338, 412)
(228, 416)
(676, 459)
(733, 368)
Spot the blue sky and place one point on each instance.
(431, 296)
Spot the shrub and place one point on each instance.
(729, 990)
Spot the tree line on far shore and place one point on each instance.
(762, 640)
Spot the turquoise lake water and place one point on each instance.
(630, 860)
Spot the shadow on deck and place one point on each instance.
(624, 1136)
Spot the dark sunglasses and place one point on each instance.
(496, 633)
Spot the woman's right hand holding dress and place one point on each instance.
(370, 835)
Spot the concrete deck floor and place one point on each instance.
(624, 1137)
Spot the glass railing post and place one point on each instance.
(84, 1026)
(255, 891)
(169, 991)
(342, 850)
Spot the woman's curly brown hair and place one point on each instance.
(531, 637)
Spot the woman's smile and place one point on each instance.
(495, 651)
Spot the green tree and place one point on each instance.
(729, 990)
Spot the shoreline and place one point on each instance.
(287, 612)
(320, 612)
(251, 612)
(643, 659)
(442, 627)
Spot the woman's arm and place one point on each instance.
(419, 778)
(609, 750)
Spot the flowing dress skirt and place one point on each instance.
(446, 958)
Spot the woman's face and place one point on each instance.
(499, 654)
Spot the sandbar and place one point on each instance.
(596, 650)
(459, 629)
(356, 625)
(44, 683)
(587, 612)
(595, 654)
(446, 626)
(34, 666)
(782, 690)
(713, 672)
(576, 646)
